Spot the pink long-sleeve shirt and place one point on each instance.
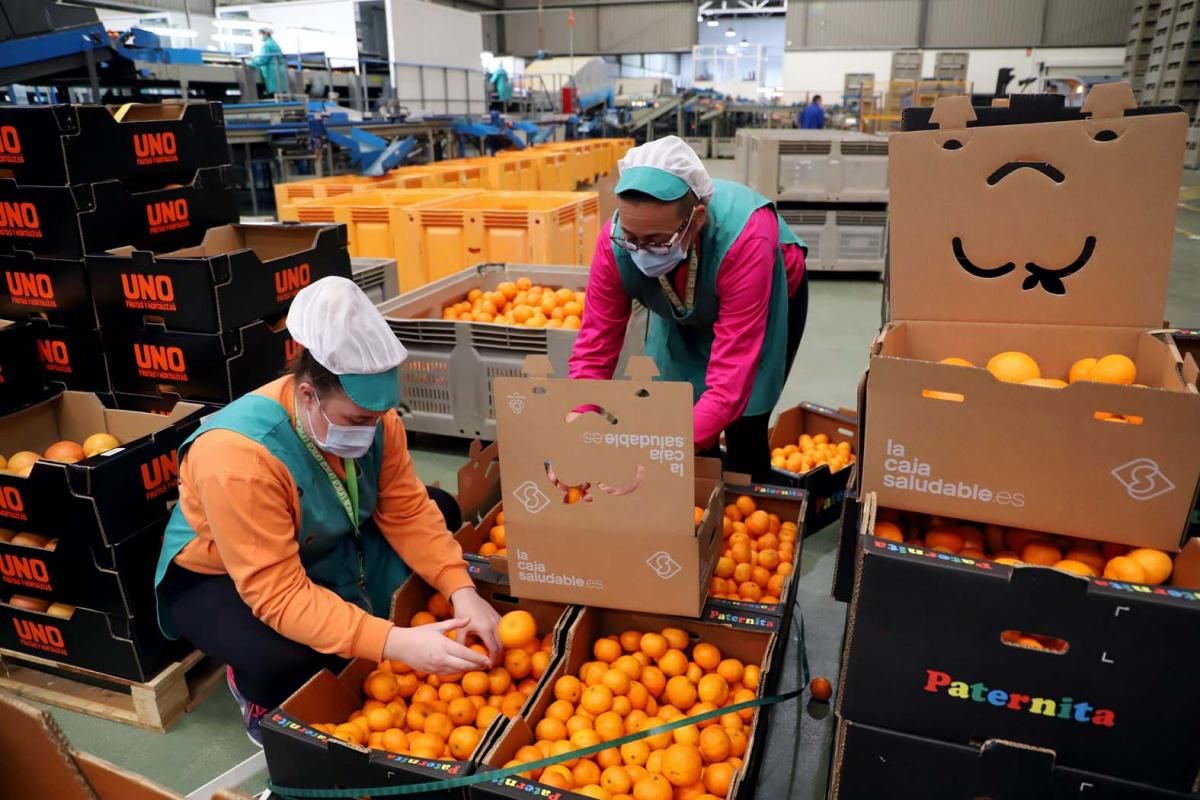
(743, 294)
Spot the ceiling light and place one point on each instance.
(730, 32)
(731, 50)
(712, 23)
(162, 30)
(743, 43)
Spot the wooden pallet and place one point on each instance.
(155, 705)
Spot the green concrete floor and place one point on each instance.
(843, 315)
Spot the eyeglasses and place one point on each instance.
(655, 249)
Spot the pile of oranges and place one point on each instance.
(497, 543)
(445, 716)
(522, 304)
(65, 452)
(61, 610)
(1017, 546)
(26, 539)
(1017, 367)
(639, 681)
(758, 554)
(810, 452)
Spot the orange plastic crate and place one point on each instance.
(289, 195)
(527, 170)
(454, 174)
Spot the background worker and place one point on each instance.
(270, 63)
(723, 278)
(813, 115)
(300, 514)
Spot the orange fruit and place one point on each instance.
(538, 662)
(631, 641)
(512, 704)
(349, 732)
(740, 553)
(558, 777)
(724, 568)
(485, 716)
(561, 710)
(578, 722)
(688, 734)
(414, 720)
(635, 753)
(713, 689)
(597, 699)
(758, 523)
(616, 780)
(676, 637)
(1156, 564)
(609, 726)
(750, 591)
(1080, 369)
(1114, 368)
(379, 719)
(607, 650)
(821, 689)
(462, 712)
(746, 505)
(731, 511)
(738, 742)
(1041, 552)
(742, 573)
(462, 742)
(760, 575)
(498, 536)
(381, 686)
(714, 744)
(422, 618)
(742, 696)
(475, 683)
(718, 777)
(592, 672)
(731, 670)
(587, 776)
(1125, 568)
(1013, 367)
(653, 787)
(672, 663)
(681, 692)
(438, 724)
(449, 692)
(950, 539)
(1046, 383)
(439, 606)
(1075, 568)
(708, 656)
(955, 361)
(499, 681)
(518, 664)
(551, 729)
(516, 629)
(654, 680)
(616, 680)
(395, 740)
(585, 737)
(568, 688)
(629, 665)
(768, 560)
(682, 765)
(654, 645)
(1086, 555)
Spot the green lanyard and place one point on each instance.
(347, 493)
(682, 307)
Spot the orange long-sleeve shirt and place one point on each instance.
(243, 504)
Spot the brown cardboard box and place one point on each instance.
(826, 489)
(750, 647)
(1011, 232)
(39, 763)
(631, 541)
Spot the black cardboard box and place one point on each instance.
(208, 367)
(71, 358)
(302, 757)
(84, 571)
(55, 289)
(926, 654)
(236, 275)
(826, 489)
(21, 382)
(870, 763)
(59, 145)
(69, 221)
(108, 497)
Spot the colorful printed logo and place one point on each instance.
(20, 220)
(40, 636)
(1065, 708)
(12, 505)
(161, 474)
(290, 280)
(159, 362)
(10, 146)
(528, 787)
(167, 215)
(54, 355)
(155, 148)
(30, 289)
(148, 292)
(26, 571)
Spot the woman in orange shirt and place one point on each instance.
(300, 513)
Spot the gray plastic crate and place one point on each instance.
(840, 240)
(446, 381)
(818, 166)
(700, 144)
(726, 147)
(906, 65)
(376, 277)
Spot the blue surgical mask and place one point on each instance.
(652, 265)
(344, 441)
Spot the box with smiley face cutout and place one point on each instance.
(1047, 231)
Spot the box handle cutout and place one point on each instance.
(1124, 419)
(591, 408)
(1106, 135)
(953, 397)
(572, 494)
(952, 144)
(846, 432)
(1044, 167)
(1034, 641)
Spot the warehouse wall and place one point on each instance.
(602, 27)
(431, 34)
(770, 32)
(308, 26)
(946, 24)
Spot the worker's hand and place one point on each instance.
(426, 648)
(483, 620)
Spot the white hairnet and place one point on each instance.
(342, 329)
(672, 154)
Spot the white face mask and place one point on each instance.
(344, 441)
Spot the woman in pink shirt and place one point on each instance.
(723, 278)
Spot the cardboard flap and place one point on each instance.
(112, 783)
(1069, 221)
(538, 366)
(1186, 573)
(641, 368)
(37, 758)
(1109, 100)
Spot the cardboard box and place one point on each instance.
(161, 404)
(750, 647)
(107, 498)
(826, 489)
(635, 522)
(84, 571)
(41, 765)
(71, 358)
(57, 145)
(924, 655)
(1188, 342)
(789, 505)
(236, 275)
(479, 481)
(300, 756)
(209, 367)
(21, 381)
(975, 271)
(871, 762)
(55, 289)
(69, 221)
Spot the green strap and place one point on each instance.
(507, 772)
(683, 307)
(348, 497)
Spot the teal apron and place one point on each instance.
(681, 333)
(351, 559)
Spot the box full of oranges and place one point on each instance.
(961, 632)
(872, 763)
(762, 532)
(485, 546)
(383, 724)
(814, 447)
(1022, 363)
(73, 468)
(628, 672)
(21, 381)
